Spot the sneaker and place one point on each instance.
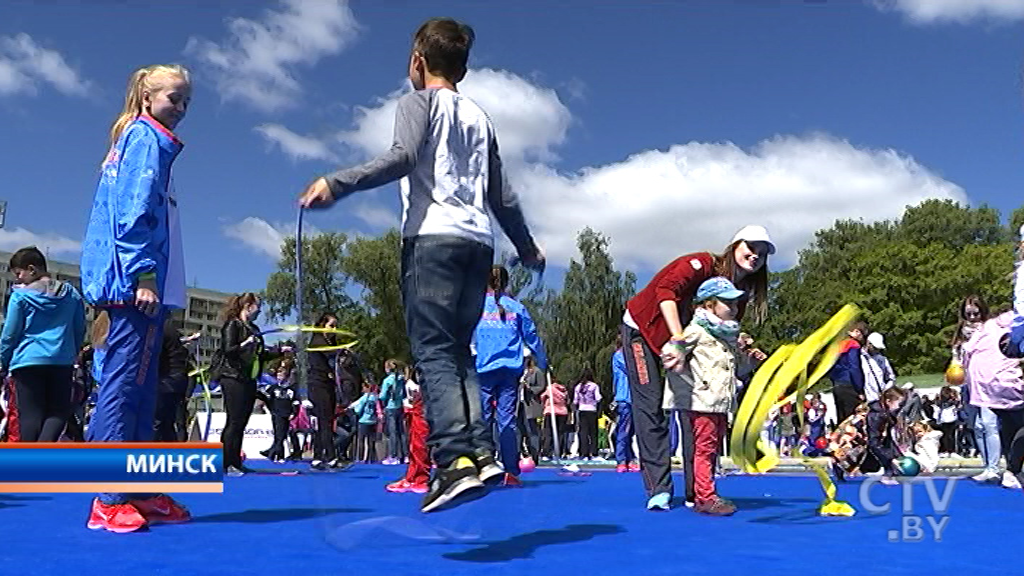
(339, 464)
(986, 477)
(318, 465)
(689, 503)
(621, 468)
(716, 507)
(162, 509)
(889, 481)
(1011, 480)
(389, 461)
(449, 483)
(400, 487)
(118, 518)
(487, 467)
(511, 481)
(235, 472)
(660, 501)
(634, 466)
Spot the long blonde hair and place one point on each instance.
(142, 80)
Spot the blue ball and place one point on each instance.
(908, 466)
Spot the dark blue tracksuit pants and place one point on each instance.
(127, 387)
(500, 389)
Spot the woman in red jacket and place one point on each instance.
(654, 322)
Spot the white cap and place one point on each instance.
(876, 340)
(755, 234)
(908, 385)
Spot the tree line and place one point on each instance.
(908, 275)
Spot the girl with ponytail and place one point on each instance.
(133, 274)
(504, 329)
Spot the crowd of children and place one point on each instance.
(469, 407)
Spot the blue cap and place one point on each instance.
(718, 287)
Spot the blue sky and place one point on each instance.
(667, 126)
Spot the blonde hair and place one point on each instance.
(142, 80)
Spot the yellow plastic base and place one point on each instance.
(836, 508)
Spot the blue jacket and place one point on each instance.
(128, 231)
(848, 369)
(499, 343)
(45, 324)
(392, 392)
(620, 380)
(366, 408)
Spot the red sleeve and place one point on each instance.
(683, 274)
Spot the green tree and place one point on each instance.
(324, 279)
(579, 323)
(907, 275)
(373, 266)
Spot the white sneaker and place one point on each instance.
(879, 472)
(1011, 480)
(986, 476)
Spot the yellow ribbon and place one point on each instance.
(785, 375)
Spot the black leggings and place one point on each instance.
(847, 399)
(947, 443)
(368, 442)
(587, 433)
(44, 401)
(324, 401)
(239, 400)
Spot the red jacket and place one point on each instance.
(678, 281)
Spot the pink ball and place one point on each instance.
(527, 465)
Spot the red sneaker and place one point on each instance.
(511, 481)
(119, 518)
(620, 468)
(400, 487)
(162, 509)
(634, 466)
(420, 488)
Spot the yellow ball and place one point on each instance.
(955, 374)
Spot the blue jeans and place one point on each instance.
(444, 282)
(501, 387)
(126, 398)
(986, 434)
(397, 442)
(624, 433)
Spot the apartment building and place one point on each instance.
(200, 315)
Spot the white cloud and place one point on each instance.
(296, 146)
(376, 216)
(935, 11)
(24, 65)
(50, 243)
(259, 235)
(531, 121)
(266, 238)
(254, 65)
(658, 204)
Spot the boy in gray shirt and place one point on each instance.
(453, 188)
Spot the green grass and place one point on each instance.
(923, 380)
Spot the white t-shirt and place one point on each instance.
(174, 283)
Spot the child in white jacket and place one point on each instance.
(705, 384)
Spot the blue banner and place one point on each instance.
(111, 463)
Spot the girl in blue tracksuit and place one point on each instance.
(625, 460)
(504, 328)
(133, 272)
